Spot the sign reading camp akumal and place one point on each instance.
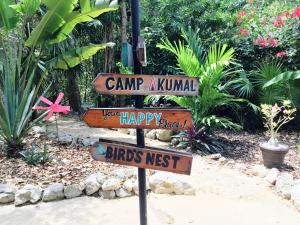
(147, 118)
(148, 158)
(124, 84)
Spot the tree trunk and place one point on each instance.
(74, 92)
(123, 21)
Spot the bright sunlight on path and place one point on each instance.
(224, 197)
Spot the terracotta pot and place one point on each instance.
(273, 155)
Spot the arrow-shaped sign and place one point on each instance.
(147, 118)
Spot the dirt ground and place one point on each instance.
(224, 197)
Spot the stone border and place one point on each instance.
(283, 183)
(120, 183)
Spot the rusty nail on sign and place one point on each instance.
(123, 84)
(147, 118)
(148, 157)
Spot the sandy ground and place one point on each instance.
(224, 196)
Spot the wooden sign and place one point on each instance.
(147, 118)
(124, 84)
(148, 158)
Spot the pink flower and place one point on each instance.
(241, 14)
(297, 12)
(280, 54)
(278, 22)
(262, 43)
(243, 32)
(273, 43)
(251, 1)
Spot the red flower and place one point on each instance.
(281, 54)
(297, 12)
(241, 14)
(278, 22)
(243, 32)
(251, 1)
(273, 43)
(262, 43)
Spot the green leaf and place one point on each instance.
(85, 5)
(27, 7)
(8, 16)
(55, 18)
(73, 57)
(286, 76)
(79, 17)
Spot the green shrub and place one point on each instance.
(35, 155)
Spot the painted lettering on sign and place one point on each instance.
(122, 84)
(150, 158)
(151, 118)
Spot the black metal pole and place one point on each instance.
(139, 103)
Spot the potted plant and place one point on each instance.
(275, 117)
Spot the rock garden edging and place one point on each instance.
(120, 183)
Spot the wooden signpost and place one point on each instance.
(147, 118)
(122, 84)
(148, 157)
(142, 118)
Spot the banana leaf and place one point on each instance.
(73, 57)
(55, 18)
(80, 17)
(27, 7)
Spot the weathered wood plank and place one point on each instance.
(148, 158)
(147, 118)
(124, 84)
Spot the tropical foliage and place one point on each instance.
(212, 68)
(23, 70)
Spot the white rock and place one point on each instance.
(272, 176)
(128, 185)
(167, 183)
(136, 186)
(7, 188)
(7, 193)
(183, 188)
(86, 142)
(66, 139)
(295, 194)
(94, 182)
(22, 196)
(107, 194)
(73, 190)
(29, 193)
(284, 185)
(124, 131)
(164, 135)
(124, 173)
(151, 134)
(6, 198)
(38, 129)
(54, 192)
(122, 193)
(259, 170)
(111, 184)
